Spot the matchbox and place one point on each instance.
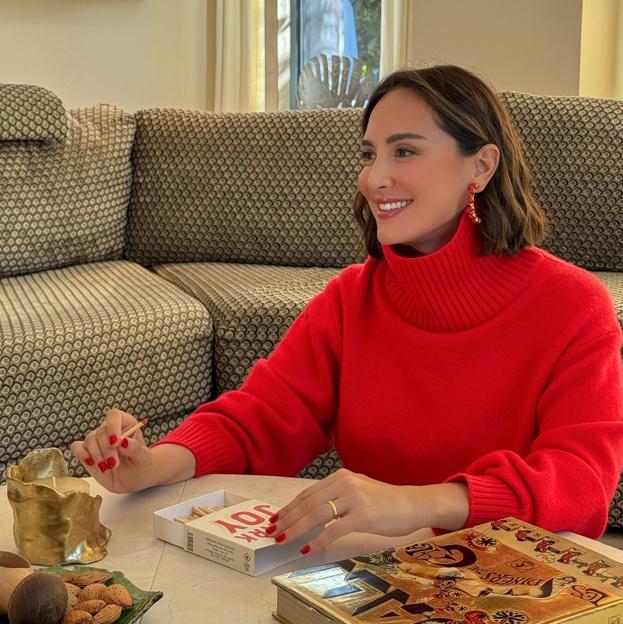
(233, 536)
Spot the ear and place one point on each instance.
(486, 162)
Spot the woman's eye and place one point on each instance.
(403, 152)
(367, 156)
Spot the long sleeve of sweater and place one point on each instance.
(571, 471)
(282, 416)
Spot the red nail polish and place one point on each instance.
(124, 443)
(305, 549)
(280, 537)
(111, 462)
(274, 518)
(112, 440)
(271, 529)
(102, 466)
(89, 461)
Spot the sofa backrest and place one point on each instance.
(277, 188)
(266, 188)
(575, 150)
(64, 181)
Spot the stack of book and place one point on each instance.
(503, 572)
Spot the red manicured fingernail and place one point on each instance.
(280, 537)
(271, 528)
(89, 461)
(305, 549)
(112, 440)
(111, 462)
(124, 443)
(273, 518)
(102, 466)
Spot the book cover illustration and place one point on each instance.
(503, 572)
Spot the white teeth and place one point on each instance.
(394, 205)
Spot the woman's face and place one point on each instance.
(414, 178)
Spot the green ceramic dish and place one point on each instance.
(143, 600)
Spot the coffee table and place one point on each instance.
(198, 590)
(195, 589)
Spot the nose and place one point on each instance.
(378, 174)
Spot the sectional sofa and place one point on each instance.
(147, 260)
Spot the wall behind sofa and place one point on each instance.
(133, 53)
(152, 53)
(519, 45)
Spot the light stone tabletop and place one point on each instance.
(195, 589)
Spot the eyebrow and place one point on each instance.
(398, 137)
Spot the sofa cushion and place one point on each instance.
(263, 188)
(252, 307)
(30, 113)
(78, 341)
(277, 187)
(614, 283)
(574, 148)
(65, 202)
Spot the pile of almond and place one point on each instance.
(91, 601)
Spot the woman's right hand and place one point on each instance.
(125, 466)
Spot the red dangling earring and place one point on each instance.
(471, 208)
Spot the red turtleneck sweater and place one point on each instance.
(504, 373)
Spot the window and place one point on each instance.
(333, 40)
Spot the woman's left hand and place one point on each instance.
(361, 504)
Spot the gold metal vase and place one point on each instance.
(50, 526)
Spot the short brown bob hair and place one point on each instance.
(467, 109)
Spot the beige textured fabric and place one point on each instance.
(78, 341)
(575, 151)
(65, 203)
(277, 188)
(30, 113)
(263, 188)
(614, 283)
(252, 307)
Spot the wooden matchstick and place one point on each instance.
(136, 427)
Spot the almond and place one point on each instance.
(72, 601)
(87, 578)
(67, 577)
(77, 617)
(93, 591)
(117, 594)
(72, 590)
(109, 614)
(90, 606)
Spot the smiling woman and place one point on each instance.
(415, 177)
(463, 373)
(431, 134)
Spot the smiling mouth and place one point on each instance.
(392, 206)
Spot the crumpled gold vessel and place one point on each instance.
(52, 527)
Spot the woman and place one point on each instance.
(463, 373)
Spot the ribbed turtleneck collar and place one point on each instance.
(456, 288)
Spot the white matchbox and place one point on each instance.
(233, 536)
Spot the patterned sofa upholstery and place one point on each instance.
(188, 257)
(81, 329)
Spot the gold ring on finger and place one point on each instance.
(336, 515)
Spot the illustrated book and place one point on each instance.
(502, 572)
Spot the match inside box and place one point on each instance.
(232, 532)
